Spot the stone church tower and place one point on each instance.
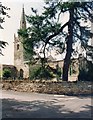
(19, 60)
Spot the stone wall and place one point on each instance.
(50, 87)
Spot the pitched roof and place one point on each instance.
(50, 58)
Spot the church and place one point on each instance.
(19, 57)
(20, 69)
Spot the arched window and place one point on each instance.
(21, 73)
(17, 46)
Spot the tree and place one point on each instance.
(77, 11)
(48, 30)
(3, 13)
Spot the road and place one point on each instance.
(35, 105)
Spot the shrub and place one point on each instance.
(86, 74)
(83, 75)
(37, 72)
(6, 73)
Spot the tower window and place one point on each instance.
(17, 46)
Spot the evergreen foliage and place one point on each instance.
(47, 30)
(3, 13)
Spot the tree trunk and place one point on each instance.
(69, 46)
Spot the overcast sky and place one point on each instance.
(12, 24)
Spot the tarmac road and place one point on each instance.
(35, 105)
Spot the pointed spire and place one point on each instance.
(14, 37)
(23, 21)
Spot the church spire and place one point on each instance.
(23, 21)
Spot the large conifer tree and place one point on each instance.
(48, 29)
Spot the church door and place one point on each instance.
(21, 73)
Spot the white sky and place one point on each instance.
(12, 24)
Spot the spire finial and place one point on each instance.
(23, 6)
(23, 21)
